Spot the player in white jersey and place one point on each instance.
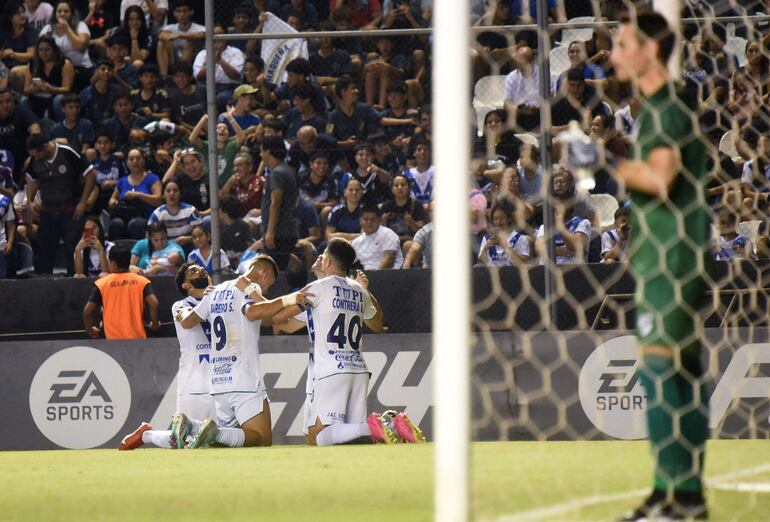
(236, 309)
(194, 376)
(338, 310)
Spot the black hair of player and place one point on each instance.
(342, 254)
(655, 27)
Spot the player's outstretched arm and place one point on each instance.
(288, 326)
(265, 310)
(284, 319)
(188, 320)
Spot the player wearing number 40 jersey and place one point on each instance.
(335, 318)
(236, 309)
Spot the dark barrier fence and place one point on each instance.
(543, 386)
(31, 308)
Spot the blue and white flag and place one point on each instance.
(278, 53)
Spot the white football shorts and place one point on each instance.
(339, 398)
(235, 408)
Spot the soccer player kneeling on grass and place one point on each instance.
(669, 258)
(338, 378)
(236, 309)
(193, 380)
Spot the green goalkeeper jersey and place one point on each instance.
(670, 235)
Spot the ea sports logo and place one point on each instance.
(611, 393)
(80, 398)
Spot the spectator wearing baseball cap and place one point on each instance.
(244, 103)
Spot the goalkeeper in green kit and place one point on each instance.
(670, 263)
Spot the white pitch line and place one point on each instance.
(720, 481)
(743, 487)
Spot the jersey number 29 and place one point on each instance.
(337, 336)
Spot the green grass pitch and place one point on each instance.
(511, 481)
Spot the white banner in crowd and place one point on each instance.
(278, 53)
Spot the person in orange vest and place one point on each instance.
(122, 296)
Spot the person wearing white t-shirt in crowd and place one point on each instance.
(615, 242)
(377, 247)
(572, 232)
(72, 36)
(421, 175)
(228, 66)
(522, 91)
(731, 245)
(503, 245)
(179, 41)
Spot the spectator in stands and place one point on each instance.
(92, 250)
(309, 233)
(756, 72)
(17, 122)
(118, 47)
(98, 99)
(243, 104)
(254, 76)
(421, 175)
(193, 180)
(17, 37)
(729, 244)
(382, 68)
(573, 232)
(374, 180)
(57, 172)
(364, 14)
(151, 101)
(504, 245)
(109, 168)
(228, 62)
(318, 187)
(755, 180)
(384, 157)
(279, 202)
(509, 193)
(202, 255)
(72, 36)
(7, 232)
(345, 218)
(303, 113)
(77, 132)
(352, 120)
(139, 35)
(99, 19)
(159, 150)
(494, 125)
(615, 242)
(179, 41)
(188, 100)
(398, 120)
(298, 73)
(522, 91)
(155, 12)
(226, 146)
(309, 141)
(329, 63)
(577, 54)
(47, 78)
(126, 126)
(530, 174)
(306, 9)
(421, 248)
(625, 117)
(354, 46)
(178, 217)
(244, 187)
(403, 214)
(156, 255)
(122, 295)
(38, 14)
(235, 234)
(378, 247)
(134, 198)
(579, 102)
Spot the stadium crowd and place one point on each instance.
(103, 124)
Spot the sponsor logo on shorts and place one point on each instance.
(611, 393)
(79, 398)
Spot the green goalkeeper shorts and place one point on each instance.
(667, 311)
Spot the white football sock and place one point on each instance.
(160, 438)
(232, 437)
(342, 433)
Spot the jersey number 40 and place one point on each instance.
(337, 336)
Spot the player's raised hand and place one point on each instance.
(362, 279)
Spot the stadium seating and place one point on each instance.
(605, 206)
(488, 94)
